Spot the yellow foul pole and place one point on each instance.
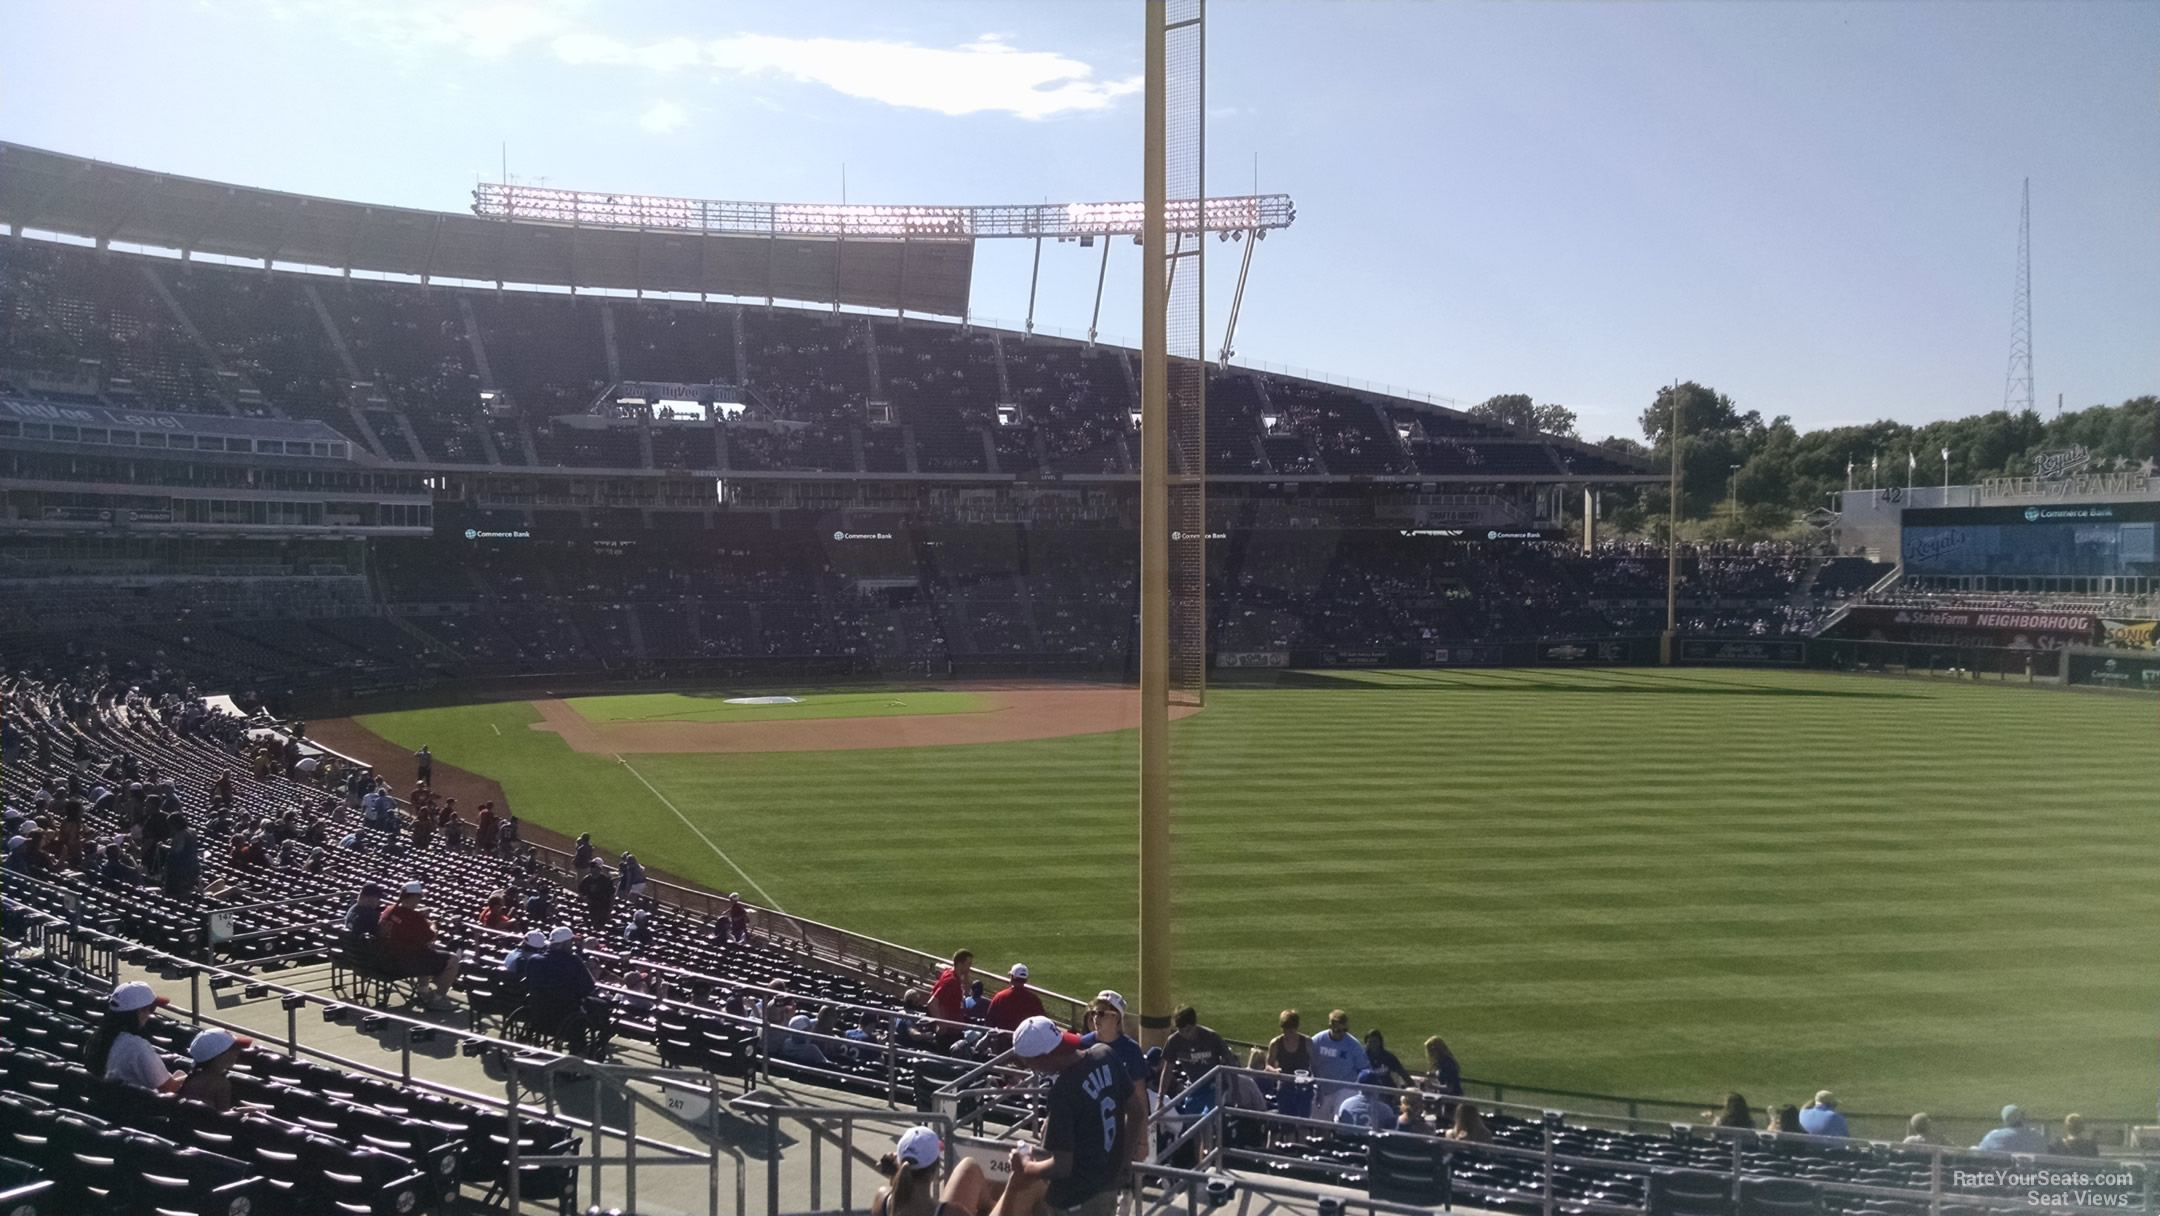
(1154, 993)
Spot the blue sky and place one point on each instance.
(1812, 206)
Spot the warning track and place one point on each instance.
(1013, 714)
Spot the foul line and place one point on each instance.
(770, 902)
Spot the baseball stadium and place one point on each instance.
(502, 703)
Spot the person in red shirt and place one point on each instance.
(1016, 1003)
(251, 853)
(495, 914)
(409, 939)
(948, 997)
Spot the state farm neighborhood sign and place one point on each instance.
(2045, 622)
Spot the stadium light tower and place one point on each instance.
(2018, 381)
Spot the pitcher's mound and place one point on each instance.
(1014, 713)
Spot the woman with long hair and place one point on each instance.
(1443, 1076)
(1787, 1119)
(119, 1052)
(1735, 1113)
(1469, 1125)
(911, 1188)
(1377, 1054)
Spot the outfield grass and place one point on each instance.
(714, 707)
(1925, 896)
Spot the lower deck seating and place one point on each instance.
(316, 1139)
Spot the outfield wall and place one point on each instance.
(2090, 667)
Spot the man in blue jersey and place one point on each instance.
(1821, 1117)
(1094, 1128)
(1107, 1016)
(1337, 1055)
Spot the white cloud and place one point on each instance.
(985, 75)
(663, 116)
(989, 75)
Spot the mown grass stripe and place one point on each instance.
(1667, 883)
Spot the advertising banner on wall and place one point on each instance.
(1602, 650)
(1463, 656)
(2128, 635)
(2115, 671)
(1252, 658)
(1354, 658)
(1969, 626)
(1751, 651)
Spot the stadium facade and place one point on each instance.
(315, 442)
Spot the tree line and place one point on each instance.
(1783, 473)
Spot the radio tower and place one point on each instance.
(2018, 382)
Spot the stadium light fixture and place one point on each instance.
(519, 202)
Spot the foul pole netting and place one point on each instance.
(1184, 156)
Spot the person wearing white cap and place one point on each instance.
(1094, 1126)
(559, 985)
(1821, 1117)
(214, 1052)
(1106, 1022)
(119, 1052)
(911, 1170)
(2014, 1136)
(534, 945)
(1016, 1002)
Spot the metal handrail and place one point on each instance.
(622, 961)
(1737, 1137)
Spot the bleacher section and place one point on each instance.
(404, 355)
(441, 609)
(115, 323)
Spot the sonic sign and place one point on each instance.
(2065, 473)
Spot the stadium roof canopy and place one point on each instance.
(56, 192)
